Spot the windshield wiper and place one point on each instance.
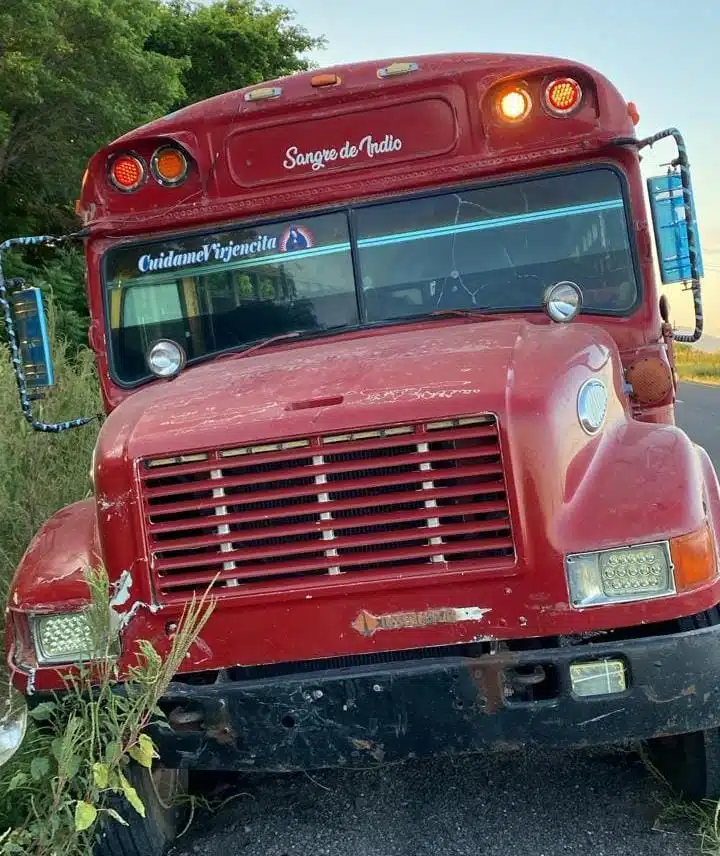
(475, 314)
(250, 348)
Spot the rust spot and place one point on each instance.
(653, 697)
(223, 734)
(375, 749)
(489, 680)
(368, 624)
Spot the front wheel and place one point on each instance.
(151, 835)
(689, 763)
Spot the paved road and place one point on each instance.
(698, 413)
(522, 804)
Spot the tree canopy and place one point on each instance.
(229, 44)
(75, 74)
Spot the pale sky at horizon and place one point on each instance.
(633, 43)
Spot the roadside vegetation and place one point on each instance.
(693, 364)
(75, 75)
(85, 766)
(41, 473)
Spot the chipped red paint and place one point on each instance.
(640, 479)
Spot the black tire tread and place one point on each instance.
(149, 836)
(690, 763)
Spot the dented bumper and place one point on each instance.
(374, 713)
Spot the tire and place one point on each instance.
(689, 763)
(153, 834)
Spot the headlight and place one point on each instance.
(617, 576)
(165, 358)
(63, 638)
(563, 301)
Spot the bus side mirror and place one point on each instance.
(27, 335)
(670, 205)
(33, 339)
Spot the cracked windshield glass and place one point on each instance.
(490, 248)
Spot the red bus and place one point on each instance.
(385, 362)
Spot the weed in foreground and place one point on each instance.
(71, 774)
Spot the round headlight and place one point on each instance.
(165, 358)
(563, 301)
(592, 405)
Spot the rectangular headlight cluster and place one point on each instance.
(63, 638)
(621, 575)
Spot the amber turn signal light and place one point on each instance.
(514, 104)
(694, 558)
(169, 166)
(651, 380)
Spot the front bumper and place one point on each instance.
(446, 703)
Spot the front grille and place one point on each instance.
(403, 498)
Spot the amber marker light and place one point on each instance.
(169, 166)
(694, 558)
(514, 104)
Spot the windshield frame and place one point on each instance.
(350, 210)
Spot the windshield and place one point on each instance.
(491, 248)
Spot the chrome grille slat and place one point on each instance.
(394, 499)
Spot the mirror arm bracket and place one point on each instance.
(680, 161)
(25, 398)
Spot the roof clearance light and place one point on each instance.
(127, 173)
(562, 96)
(328, 79)
(397, 68)
(263, 93)
(514, 105)
(169, 166)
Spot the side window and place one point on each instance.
(144, 306)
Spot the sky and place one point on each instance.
(661, 55)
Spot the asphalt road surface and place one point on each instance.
(528, 803)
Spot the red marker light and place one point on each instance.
(127, 172)
(563, 95)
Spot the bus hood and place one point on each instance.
(295, 389)
(568, 490)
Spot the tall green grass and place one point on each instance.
(41, 473)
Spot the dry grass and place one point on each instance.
(693, 364)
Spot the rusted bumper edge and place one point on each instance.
(386, 712)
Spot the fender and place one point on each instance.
(644, 482)
(711, 491)
(50, 576)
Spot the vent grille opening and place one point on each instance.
(403, 497)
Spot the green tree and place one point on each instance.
(230, 44)
(74, 74)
